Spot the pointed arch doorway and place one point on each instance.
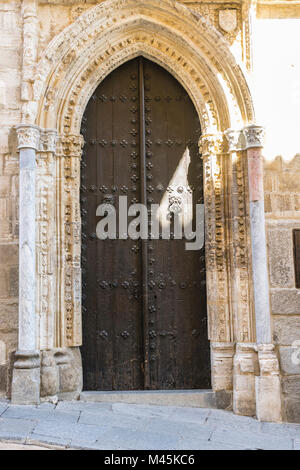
(143, 302)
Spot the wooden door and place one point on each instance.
(144, 301)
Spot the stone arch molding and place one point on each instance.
(114, 31)
(69, 71)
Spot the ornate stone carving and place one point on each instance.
(240, 249)
(28, 136)
(211, 144)
(48, 139)
(254, 136)
(211, 147)
(87, 37)
(70, 145)
(69, 151)
(45, 242)
(235, 139)
(30, 42)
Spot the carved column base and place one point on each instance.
(26, 378)
(245, 370)
(49, 377)
(61, 374)
(268, 389)
(69, 365)
(222, 366)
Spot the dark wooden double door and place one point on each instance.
(144, 301)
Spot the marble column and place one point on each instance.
(254, 142)
(267, 383)
(26, 372)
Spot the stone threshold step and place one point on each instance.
(188, 398)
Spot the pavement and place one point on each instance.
(120, 426)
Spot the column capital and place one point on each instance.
(33, 137)
(254, 136)
(48, 140)
(28, 136)
(251, 136)
(235, 139)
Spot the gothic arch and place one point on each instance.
(114, 31)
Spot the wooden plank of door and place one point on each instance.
(144, 242)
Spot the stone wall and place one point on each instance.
(282, 206)
(10, 115)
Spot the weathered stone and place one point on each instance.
(26, 378)
(281, 202)
(13, 281)
(268, 398)
(286, 330)
(3, 379)
(289, 361)
(8, 315)
(10, 338)
(245, 369)
(9, 254)
(70, 370)
(280, 261)
(222, 366)
(291, 386)
(267, 385)
(49, 374)
(26, 387)
(4, 186)
(292, 409)
(285, 301)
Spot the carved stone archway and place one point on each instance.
(71, 68)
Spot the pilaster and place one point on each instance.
(69, 153)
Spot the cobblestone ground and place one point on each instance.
(121, 426)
